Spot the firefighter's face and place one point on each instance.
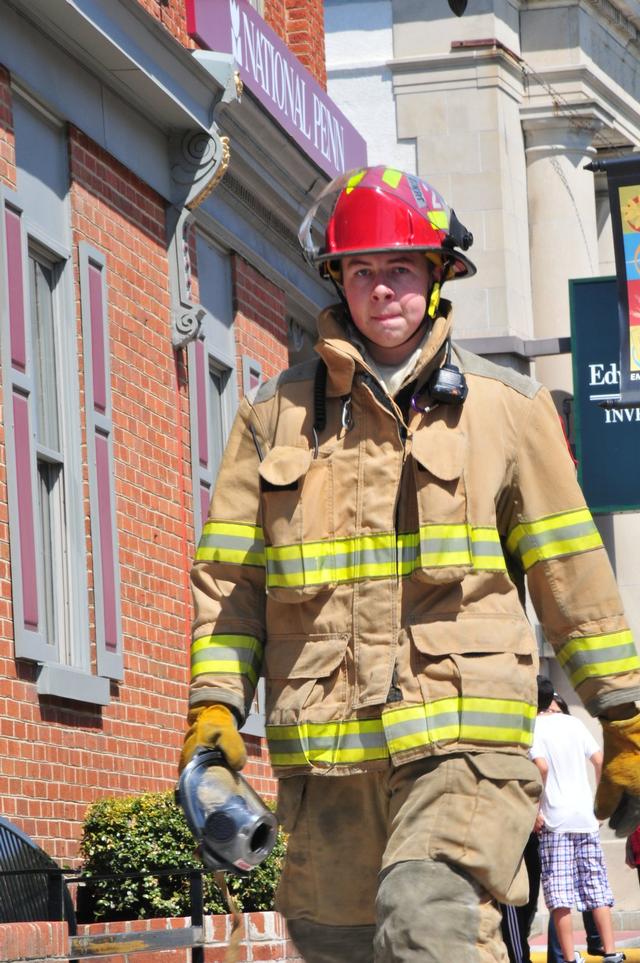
(387, 297)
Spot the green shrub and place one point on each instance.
(135, 834)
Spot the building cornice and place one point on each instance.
(621, 16)
(577, 92)
(132, 53)
(482, 62)
(129, 85)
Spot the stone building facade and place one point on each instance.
(501, 110)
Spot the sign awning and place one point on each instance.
(279, 81)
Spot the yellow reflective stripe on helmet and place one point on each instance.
(231, 543)
(439, 219)
(392, 177)
(226, 654)
(354, 180)
(327, 743)
(567, 533)
(460, 718)
(594, 656)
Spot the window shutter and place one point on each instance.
(106, 569)
(201, 452)
(251, 374)
(19, 438)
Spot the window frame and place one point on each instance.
(65, 667)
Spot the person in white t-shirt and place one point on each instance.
(573, 869)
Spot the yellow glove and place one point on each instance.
(214, 727)
(618, 794)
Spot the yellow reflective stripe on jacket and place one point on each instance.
(434, 546)
(553, 537)
(494, 721)
(593, 656)
(337, 560)
(227, 655)
(460, 719)
(383, 556)
(327, 743)
(437, 546)
(231, 543)
(486, 549)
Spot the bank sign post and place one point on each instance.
(278, 80)
(607, 438)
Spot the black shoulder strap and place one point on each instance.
(320, 398)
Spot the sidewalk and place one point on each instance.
(626, 931)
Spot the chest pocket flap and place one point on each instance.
(284, 466)
(440, 451)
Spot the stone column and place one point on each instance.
(563, 229)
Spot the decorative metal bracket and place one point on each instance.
(186, 327)
(200, 160)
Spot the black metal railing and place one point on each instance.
(58, 906)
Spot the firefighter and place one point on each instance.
(375, 511)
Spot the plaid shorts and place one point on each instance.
(573, 871)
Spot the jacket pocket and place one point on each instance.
(484, 668)
(443, 539)
(306, 679)
(297, 519)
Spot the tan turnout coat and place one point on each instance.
(372, 581)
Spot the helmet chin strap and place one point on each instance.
(434, 299)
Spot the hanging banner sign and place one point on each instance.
(623, 179)
(279, 81)
(607, 438)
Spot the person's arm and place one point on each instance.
(575, 596)
(596, 761)
(228, 585)
(570, 580)
(543, 768)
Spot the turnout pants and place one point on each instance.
(406, 864)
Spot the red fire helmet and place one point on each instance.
(378, 209)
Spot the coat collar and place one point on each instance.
(342, 357)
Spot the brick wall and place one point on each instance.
(7, 662)
(59, 756)
(261, 330)
(275, 15)
(7, 148)
(305, 35)
(300, 23)
(172, 15)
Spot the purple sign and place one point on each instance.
(279, 81)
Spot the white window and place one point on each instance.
(51, 510)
